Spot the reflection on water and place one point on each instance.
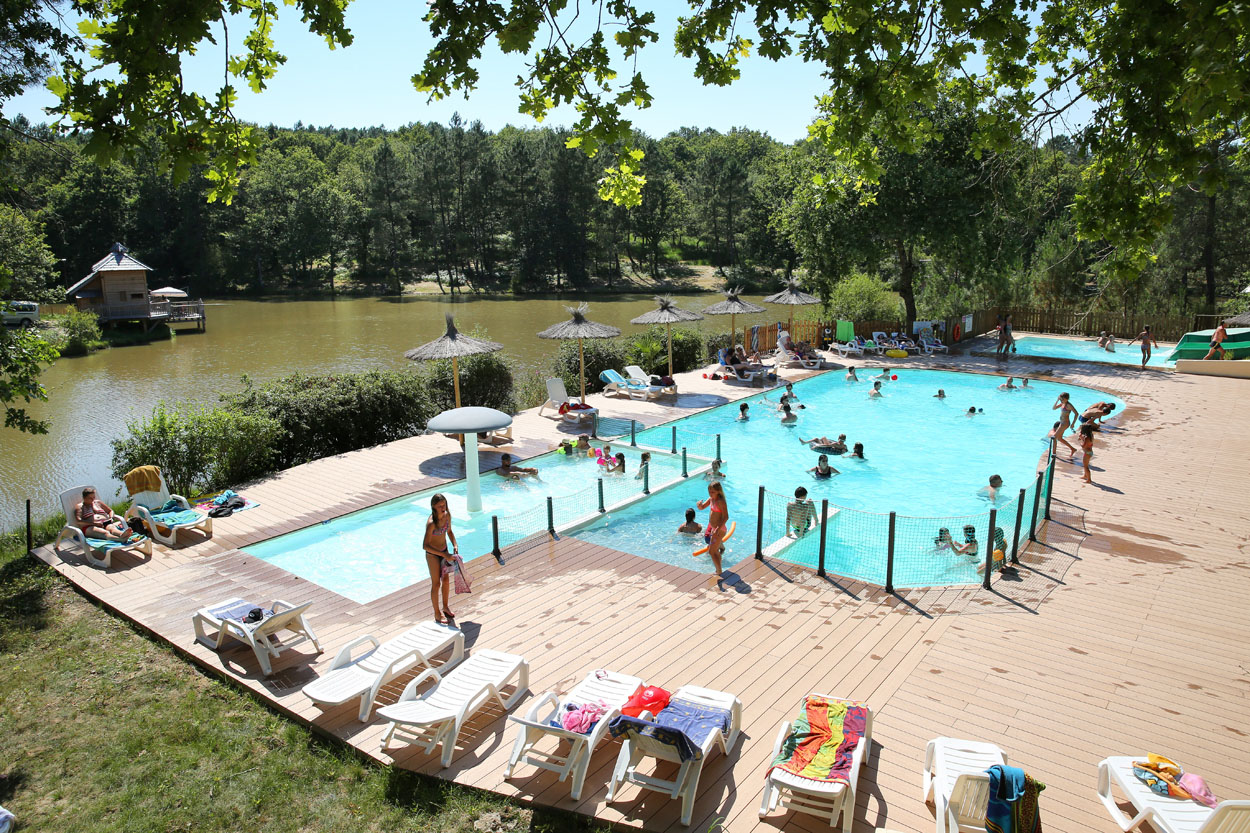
(93, 397)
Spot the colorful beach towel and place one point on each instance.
(1012, 807)
(460, 579)
(822, 740)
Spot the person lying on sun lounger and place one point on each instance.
(97, 520)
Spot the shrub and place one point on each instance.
(601, 354)
(198, 449)
(648, 351)
(687, 350)
(862, 297)
(485, 380)
(82, 332)
(324, 415)
(529, 388)
(713, 344)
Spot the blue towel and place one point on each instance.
(684, 726)
(106, 545)
(1006, 788)
(221, 499)
(177, 518)
(625, 726)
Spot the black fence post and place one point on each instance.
(1037, 494)
(674, 450)
(633, 433)
(824, 518)
(759, 528)
(684, 471)
(30, 533)
(594, 425)
(1015, 536)
(889, 558)
(494, 535)
(718, 447)
(989, 550)
(551, 517)
(1050, 484)
(600, 482)
(646, 480)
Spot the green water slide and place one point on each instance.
(1196, 344)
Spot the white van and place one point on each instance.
(20, 313)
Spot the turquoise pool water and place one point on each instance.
(925, 459)
(367, 554)
(1089, 351)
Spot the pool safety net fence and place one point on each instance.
(524, 529)
(897, 551)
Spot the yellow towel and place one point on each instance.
(143, 479)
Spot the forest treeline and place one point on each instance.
(374, 210)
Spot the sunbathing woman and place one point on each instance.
(1066, 415)
(97, 520)
(716, 523)
(439, 561)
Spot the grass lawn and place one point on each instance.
(104, 729)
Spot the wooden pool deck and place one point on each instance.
(1126, 633)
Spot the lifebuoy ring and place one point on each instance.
(956, 333)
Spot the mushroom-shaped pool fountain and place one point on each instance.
(469, 421)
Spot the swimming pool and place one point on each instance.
(368, 554)
(926, 460)
(1088, 351)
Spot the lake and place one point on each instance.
(92, 398)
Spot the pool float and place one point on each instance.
(729, 533)
(896, 354)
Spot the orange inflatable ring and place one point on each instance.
(729, 533)
(956, 333)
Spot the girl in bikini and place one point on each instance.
(1086, 433)
(439, 561)
(1066, 414)
(717, 520)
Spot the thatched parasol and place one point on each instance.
(793, 297)
(579, 327)
(667, 313)
(731, 306)
(452, 345)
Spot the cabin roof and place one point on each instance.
(118, 259)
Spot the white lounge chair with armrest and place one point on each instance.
(213, 624)
(97, 552)
(1164, 813)
(637, 374)
(929, 342)
(883, 341)
(845, 350)
(955, 778)
(614, 382)
(904, 342)
(557, 396)
(718, 728)
(147, 506)
(868, 346)
(607, 687)
(435, 717)
(500, 436)
(365, 675)
(731, 372)
(823, 799)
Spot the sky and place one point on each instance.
(368, 83)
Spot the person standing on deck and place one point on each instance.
(717, 521)
(437, 558)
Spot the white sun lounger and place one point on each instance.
(818, 798)
(145, 504)
(637, 374)
(1165, 814)
(954, 777)
(685, 783)
(607, 687)
(848, 349)
(436, 717)
(211, 629)
(95, 551)
(365, 675)
(557, 396)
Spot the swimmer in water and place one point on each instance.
(1008, 384)
(744, 412)
(822, 470)
(941, 394)
(850, 375)
(876, 391)
(788, 417)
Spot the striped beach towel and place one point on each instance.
(822, 740)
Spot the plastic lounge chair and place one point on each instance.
(883, 341)
(1164, 813)
(146, 506)
(436, 717)
(730, 372)
(636, 373)
(558, 396)
(868, 346)
(611, 689)
(826, 800)
(904, 342)
(214, 623)
(954, 777)
(365, 675)
(97, 552)
(929, 342)
(846, 349)
(501, 436)
(685, 783)
(616, 383)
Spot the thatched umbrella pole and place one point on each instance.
(666, 313)
(452, 345)
(579, 327)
